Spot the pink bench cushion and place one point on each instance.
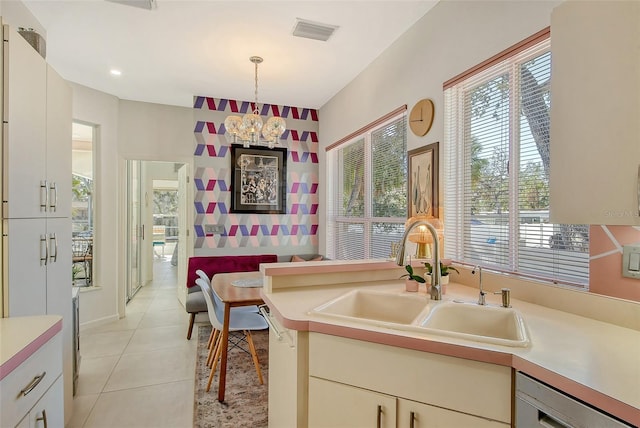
(212, 265)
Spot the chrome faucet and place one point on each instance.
(435, 290)
(481, 300)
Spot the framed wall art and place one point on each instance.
(423, 181)
(258, 180)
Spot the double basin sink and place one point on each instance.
(416, 313)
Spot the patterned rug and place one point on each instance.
(245, 401)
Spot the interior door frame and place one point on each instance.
(123, 233)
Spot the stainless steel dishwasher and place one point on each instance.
(539, 405)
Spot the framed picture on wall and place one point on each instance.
(258, 180)
(423, 181)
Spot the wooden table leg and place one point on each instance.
(223, 358)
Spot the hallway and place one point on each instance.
(139, 371)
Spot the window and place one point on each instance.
(497, 171)
(368, 193)
(82, 203)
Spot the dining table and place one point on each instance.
(245, 293)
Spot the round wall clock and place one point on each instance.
(421, 117)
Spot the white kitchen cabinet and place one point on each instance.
(412, 414)
(36, 134)
(440, 390)
(595, 106)
(49, 410)
(33, 386)
(39, 266)
(288, 376)
(36, 190)
(59, 124)
(24, 128)
(335, 405)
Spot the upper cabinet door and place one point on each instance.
(595, 112)
(58, 144)
(24, 133)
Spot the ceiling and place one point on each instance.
(184, 48)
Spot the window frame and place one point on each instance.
(457, 160)
(335, 181)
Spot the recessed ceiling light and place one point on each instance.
(115, 72)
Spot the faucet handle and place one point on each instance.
(506, 297)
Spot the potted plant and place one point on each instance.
(413, 280)
(445, 270)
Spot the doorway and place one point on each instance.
(157, 211)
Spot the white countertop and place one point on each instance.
(594, 361)
(20, 337)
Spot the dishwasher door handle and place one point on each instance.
(547, 421)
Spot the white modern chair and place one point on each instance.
(215, 332)
(205, 277)
(243, 321)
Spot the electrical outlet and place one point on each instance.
(213, 229)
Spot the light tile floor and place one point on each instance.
(139, 371)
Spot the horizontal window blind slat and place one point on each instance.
(496, 143)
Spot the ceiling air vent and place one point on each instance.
(313, 30)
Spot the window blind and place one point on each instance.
(497, 169)
(367, 206)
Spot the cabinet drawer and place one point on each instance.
(15, 405)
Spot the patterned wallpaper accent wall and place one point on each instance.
(295, 232)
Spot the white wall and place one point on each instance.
(451, 38)
(155, 132)
(99, 304)
(126, 130)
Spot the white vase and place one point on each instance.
(411, 285)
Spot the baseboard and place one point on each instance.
(98, 322)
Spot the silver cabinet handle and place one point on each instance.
(53, 200)
(44, 245)
(43, 418)
(272, 327)
(44, 195)
(53, 239)
(412, 419)
(36, 380)
(379, 417)
(638, 189)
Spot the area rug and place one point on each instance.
(245, 401)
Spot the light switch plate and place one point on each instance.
(631, 261)
(213, 229)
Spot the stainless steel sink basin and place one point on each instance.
(501, 326)
(376, 307)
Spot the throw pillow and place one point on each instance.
(295, 258)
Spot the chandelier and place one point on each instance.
(247, 129)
